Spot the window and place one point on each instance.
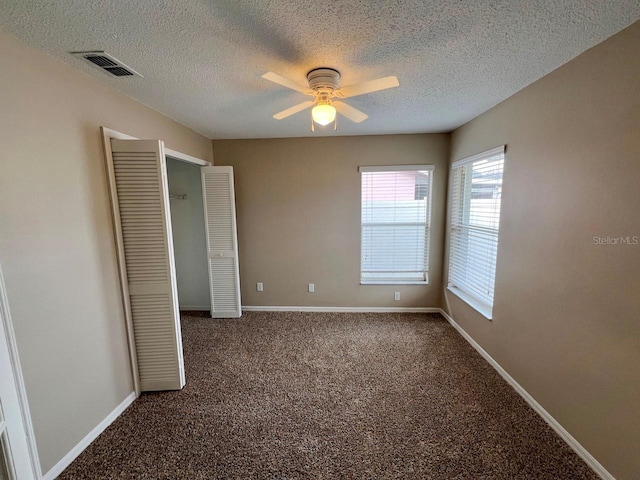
(476, 190)
(396, 215)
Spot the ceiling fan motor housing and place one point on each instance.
(323, 80)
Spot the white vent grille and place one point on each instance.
(106, 63)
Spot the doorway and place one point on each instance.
(18, 454)
(189, 236)
(137, 171)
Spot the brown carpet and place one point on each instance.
(328, 396)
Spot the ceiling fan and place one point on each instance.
(323, 87)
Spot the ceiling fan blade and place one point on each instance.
(368, 87)
(295, 109)
(351, 113)
(285, 82)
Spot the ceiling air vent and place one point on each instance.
(106, 62)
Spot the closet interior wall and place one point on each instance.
(189, 241)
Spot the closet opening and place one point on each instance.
(189, 235)
(159, 241)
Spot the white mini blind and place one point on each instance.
(395, 222)
(476, 192)
(139, 172)
(222, 242)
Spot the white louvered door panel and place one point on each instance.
(222, 241)
(139, 171)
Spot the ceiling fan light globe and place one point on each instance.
(323, 114)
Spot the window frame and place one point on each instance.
(400, 168)
(473, 300)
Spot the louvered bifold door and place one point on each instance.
(222, 241)
(140, 175)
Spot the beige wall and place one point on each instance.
(298, 210)
(566, 323)
(565, 318)
(189, 238)
(56, 239)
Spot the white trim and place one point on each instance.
(269, 308)
(107, 135)
(115, 134)
(546, 416)
(396, 168)
(204, 308)
(14, 359)
(479, 156)
(183, 157)
(59, 467)
(485, 310)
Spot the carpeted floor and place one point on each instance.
(330, 396)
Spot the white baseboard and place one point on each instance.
(198, 308)
(546, 416)
(90, 437)
(269, 308)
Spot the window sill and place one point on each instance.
(372, 282)
(481, 308)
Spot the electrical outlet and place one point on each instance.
(259, 286)
(312, 288)
(396, 296)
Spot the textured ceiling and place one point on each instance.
(202, 59)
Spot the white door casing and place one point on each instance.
(140, 197)
(16, 434)
(222, 241)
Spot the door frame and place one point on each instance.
(18, 380)
(107, 135)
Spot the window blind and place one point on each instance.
(395, 220)
(476, 191)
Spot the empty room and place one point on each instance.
(320, 240)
